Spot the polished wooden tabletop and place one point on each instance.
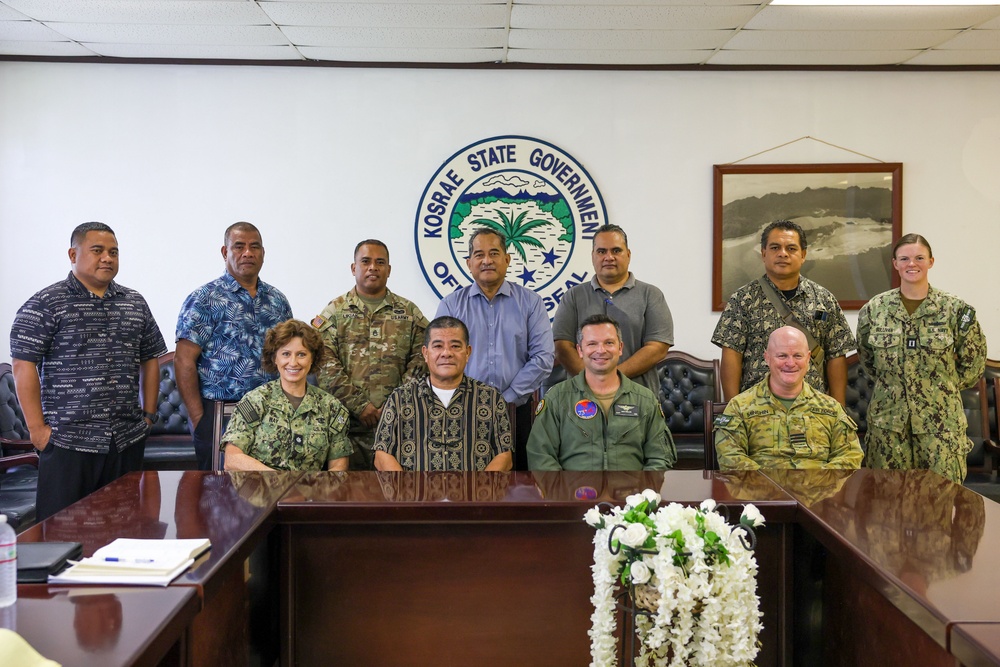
(976, 644)
(496, 496)
(227, 508)
(101, 627)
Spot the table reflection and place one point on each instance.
(612, 486)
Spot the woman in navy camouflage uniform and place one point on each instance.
(922, 346)
(288, 424)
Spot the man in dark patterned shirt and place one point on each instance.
(220, 335)
(750, 317)
(83, 350)
(447, 421)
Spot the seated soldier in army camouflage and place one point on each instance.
(782, 422)
(288, 424)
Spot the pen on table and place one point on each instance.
(114, 559)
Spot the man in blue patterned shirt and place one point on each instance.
(83, 349)
(220, 335)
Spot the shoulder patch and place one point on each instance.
(318, 322)
(540, 407)
(723, 420)
(247, 412)
(966, 318)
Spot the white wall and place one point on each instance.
(319, 158)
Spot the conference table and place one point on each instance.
(855, 567)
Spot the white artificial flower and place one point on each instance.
(708, 505)
(652, 496)
(634, 536)
(593, 517)
(640, 573)
(634, 500)
(752, 515)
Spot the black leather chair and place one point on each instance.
(169, 445)
(979, 459)
(712, 410)
(992, 377)
(223, 411)
(859, 392)
(686, 383)
(18, 460)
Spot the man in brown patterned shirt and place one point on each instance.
(447, 421)
(750, 317)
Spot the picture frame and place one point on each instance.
(850, 234)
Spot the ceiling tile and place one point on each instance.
(362, 15)
(160, 12)
(837, 40)
(196, 51)
(727, 57)
(8, 14)
(106, 33)
(954, 57)
(630, 40)
(402, 55)
(27, 31)
(870, 18)
(972, 40)
(396, 37)
(614, 57)
(56, 49)
(630, 17)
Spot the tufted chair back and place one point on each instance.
(859, 393)
(974, 404)
(686, 383)
(992, 376)
(12, 426)
(173, 413)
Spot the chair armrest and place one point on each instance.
(8, 462)
(7, 444)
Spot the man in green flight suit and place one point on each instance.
(600, 419)
(373, 340)
(782, 422)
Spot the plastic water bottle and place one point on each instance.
(8, 563)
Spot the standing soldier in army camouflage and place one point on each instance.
(782, 422)
(922, 346)
(373, 339)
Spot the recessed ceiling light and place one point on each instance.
(886, 3)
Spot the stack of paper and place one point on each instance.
(131, 561)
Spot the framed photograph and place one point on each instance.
(851, 214)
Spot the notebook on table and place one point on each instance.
(134, 561)
(37, 560)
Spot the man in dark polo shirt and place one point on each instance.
(84, 349)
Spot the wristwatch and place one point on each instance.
(151, 416)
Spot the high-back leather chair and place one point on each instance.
(712, 410)
(686, 383)
(992, 377)
(975, 406)
(859, 392)
(223, 411)
(18, 460)
(169, 445)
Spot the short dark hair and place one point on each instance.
(80, 233)
(609, 228)
(445, 322)
(486, 230)
(281, 334)
(370, 242)
(599, 318)
(786, 225)
(243, 227)
(912, 238)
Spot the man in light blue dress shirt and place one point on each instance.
(512, 347)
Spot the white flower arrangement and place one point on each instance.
(703, 570)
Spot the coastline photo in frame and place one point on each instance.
(851, 214)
